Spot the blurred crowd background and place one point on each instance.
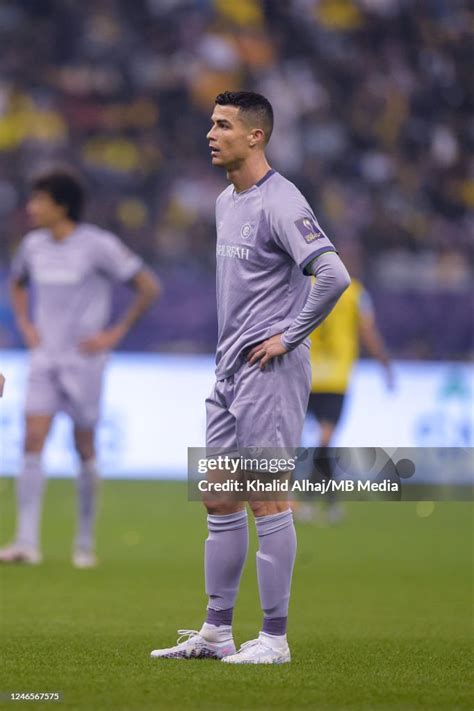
(372, 123)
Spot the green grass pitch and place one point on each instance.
(380, 614)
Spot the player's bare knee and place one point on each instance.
(84, 443)
(85, 452)
(216, 507)
(34, 442)
(268, 508)
(262, 508)
(35, 438)
(36, 431)
(327, 431)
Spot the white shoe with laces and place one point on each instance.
(195, 647)
(18, 553)
(267, 649)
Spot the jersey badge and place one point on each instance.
(308, 229)
(247, 230)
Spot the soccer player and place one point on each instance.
(334, 349)
(71, 268)
(268, 243)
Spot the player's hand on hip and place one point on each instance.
(30, 335)
(104, 341)
(265, 351)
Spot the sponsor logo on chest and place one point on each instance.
(233, 251)
(55, 275)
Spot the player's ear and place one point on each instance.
(257, 137)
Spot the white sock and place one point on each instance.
(275, 640)
(87, 485)
(214, 633)
(29, 492)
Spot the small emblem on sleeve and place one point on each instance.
(309, 229)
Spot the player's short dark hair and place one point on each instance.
(255, 105)
(65, 189)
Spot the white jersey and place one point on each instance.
(72, 282)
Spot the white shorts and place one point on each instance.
(70, 384)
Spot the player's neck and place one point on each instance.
(248, 174)
(62, 229)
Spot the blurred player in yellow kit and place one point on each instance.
(334, 350)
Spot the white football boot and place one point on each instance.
(84, 559)
(267, 649)
(18, 553)
(195, 646)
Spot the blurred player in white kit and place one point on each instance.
(69, 268)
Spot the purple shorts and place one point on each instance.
(255, 408)
(67, 383)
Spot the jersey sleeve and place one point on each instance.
(19, 267)
(115, 259)
(297, 231)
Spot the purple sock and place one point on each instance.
(275, 561)
(219, 617)
(224, 559)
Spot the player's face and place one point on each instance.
(229, 138)
(43, 211)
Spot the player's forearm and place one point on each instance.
(374, 344)
(147, 291)
(332, 279)
(20, 303)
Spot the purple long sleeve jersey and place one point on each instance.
(268, 242)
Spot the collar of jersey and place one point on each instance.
(66, 239)
(267, 175)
